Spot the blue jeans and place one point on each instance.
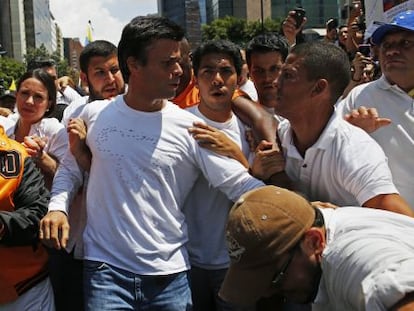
(109, 288)
(205, 285)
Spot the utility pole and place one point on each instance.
(262, 15)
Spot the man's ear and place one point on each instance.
(240, 80)
(314, 241)
(320, 86)
(83, 78)
(196, 82)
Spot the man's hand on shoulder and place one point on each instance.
(366, 119)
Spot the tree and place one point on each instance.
(238, 30)
(10, 69)
(62, 66)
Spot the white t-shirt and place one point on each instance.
(345, 166)
(249, 88)
(144, 164)
(66, 97)
(206, 208)
(367, 264)
(396, 139)
(74, 109)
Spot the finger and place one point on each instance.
(54, 235)
(354, 113)
(380, 122)
(64, 235)
(372, 112)
(363, 112)
(200, 124)
(41, 233)
(44, 231)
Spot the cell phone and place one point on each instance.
(300, 13)
(364, 49)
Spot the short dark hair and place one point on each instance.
(218, 46)
(40, 62)
(265, 43)
(47, 80)
(139, 34)
(325, 61)
(101, 48)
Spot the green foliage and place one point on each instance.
(36, 53)
(10, 69)
(62, 66)
(238, 30)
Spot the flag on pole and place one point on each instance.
(12, 87)
(89, 29)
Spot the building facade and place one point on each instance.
(317, 11)
(12, 30)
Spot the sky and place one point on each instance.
(108, 17)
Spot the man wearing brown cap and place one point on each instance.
(338, 259)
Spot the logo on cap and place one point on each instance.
(234, 248)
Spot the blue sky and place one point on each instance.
(108, 17)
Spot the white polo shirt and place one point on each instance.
(368, 260)
(345, 166)
(396, 139)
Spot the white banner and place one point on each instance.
(383, 11)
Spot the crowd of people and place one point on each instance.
(273, 177)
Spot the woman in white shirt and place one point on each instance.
(45, 138)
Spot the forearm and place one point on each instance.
(84, 159)
(30, 201)
(390, 202)
(280, 179)
(66, 183)
(263, 124)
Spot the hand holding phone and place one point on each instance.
(365, 49)
(300, 14)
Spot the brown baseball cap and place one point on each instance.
(263, 224)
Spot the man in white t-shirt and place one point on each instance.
(338, 259)
(328, 159)
(390, 116)
(217, 67)
(144, 164)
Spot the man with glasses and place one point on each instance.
(338, 259)
(390, 118)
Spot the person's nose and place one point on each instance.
(178, 70)
(217, 79)
(270, 77)
(110, 77)
(29, 100)
(275, 81)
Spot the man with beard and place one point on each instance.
(100, 72)
(339, 259)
